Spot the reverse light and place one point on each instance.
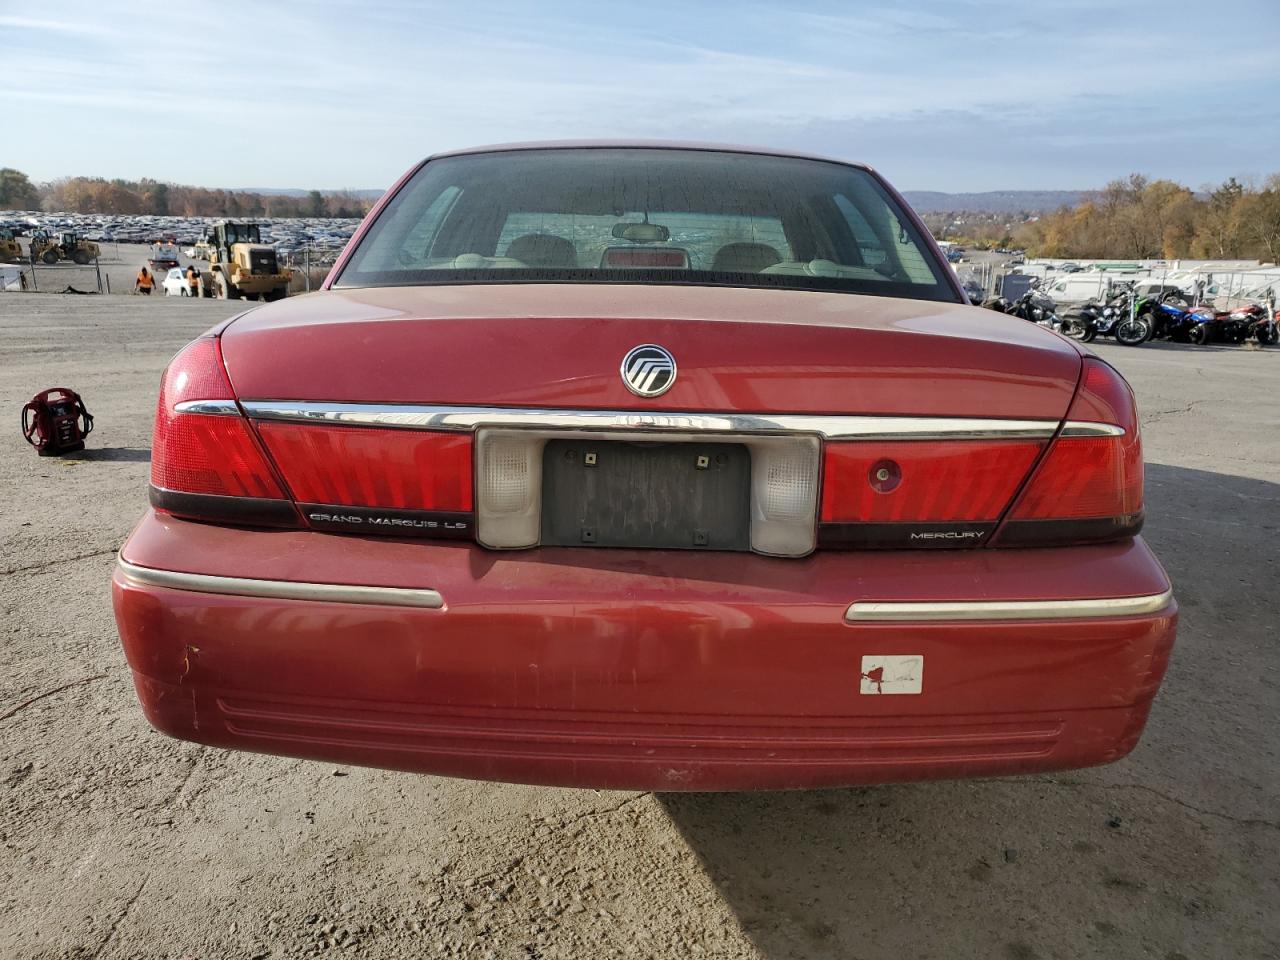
(784, 495)
(509, 489)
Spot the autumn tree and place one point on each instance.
(155, 197)
(17, 192)
(1218, 230)
(96, 195)
(1260, 220)
(1140, 219)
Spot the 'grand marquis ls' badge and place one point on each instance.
(648, 370)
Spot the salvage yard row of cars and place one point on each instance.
(650, 467)
(287, 235)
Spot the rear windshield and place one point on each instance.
(605, 215)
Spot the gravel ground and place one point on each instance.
(118, 842)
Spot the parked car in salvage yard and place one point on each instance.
(175, 283)
(629, 466)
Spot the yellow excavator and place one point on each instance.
(10, 252)
(66, 247)
(241, 265)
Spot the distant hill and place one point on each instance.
(924, 201)
(295, 192)
(995, 201)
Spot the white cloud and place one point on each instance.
(68, 26)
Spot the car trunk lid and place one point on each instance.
(561, 346)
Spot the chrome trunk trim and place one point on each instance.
(870, 611)
(1076, 428)
(279, 589)
(223, 408)
(466, 419)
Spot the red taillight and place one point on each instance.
(209, 463)
(1085, 488)
(372, 467)
(196, 456)
(922, 480)
(1085, 477)
(199, 453)
(1089, 485)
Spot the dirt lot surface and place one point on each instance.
(118, 842)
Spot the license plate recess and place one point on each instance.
(666, 495)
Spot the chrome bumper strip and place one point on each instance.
(858, 612)
(872, 612)
(280, 589)
(465, 419)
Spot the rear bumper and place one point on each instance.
(640, 669)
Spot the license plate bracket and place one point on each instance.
(680, 495)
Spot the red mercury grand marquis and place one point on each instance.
(646, 466)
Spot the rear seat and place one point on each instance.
(823, 268)
(744, 258)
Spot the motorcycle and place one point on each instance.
(1032, 305)
(1119, 320)
(1173, 320)
(1084, 322)
(1250, 322)
(1263, 329)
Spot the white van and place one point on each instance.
(1078, 287)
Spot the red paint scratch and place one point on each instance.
(876, 676)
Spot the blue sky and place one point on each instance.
(955, 95)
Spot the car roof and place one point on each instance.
(643, 145)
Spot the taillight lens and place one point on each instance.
(1085, 477)
(372, 467)
(209, 463)
(1088, 488)
(199, 453)
(198, 458)
(922, 480)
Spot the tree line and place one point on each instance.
(1141, 219)
(1137, 219)
(1130, 219)
(98, 195)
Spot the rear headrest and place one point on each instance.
(744, 258)
(543, 250)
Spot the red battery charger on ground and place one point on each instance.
(55, 421)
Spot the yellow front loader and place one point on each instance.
(67, 247)
(241, 265)
(10, 251)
